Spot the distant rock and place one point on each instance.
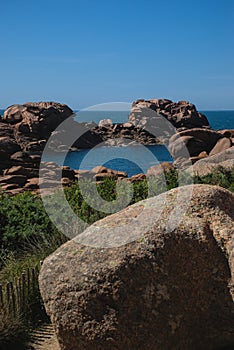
(182, 114)
(196, 140)
(205, 166)
(49, 113)
(105, 123)
(115, 134)
(165, 290)
(160, 169)
(25, 130)
(8, 145)
(137, 177)
(199, 143)
(221, 145)
(100, 173)
(31, 124)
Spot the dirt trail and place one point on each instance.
(50, 344)
(44, 339)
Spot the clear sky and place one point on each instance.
(85, 52)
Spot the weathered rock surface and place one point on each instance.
(109, 133)
(9, 145)
(191, 128)
(196, 141)
(207, 165)
(221, 145)
(21, 130)
(105, 123)
(182, 114)
(199, 142)
(159, 169)
(101, 172)
(35, 121)
(166, 290)
(138, 177)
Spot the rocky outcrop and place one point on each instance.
(196, 141)
(165, 290)
(190, 129)
(105, 123)
(34, 122)
(207, 165)
(31, 125)
(182, 114)
(100, 173)
(221, 145)
(18, 179)
(24, 131)
(159, 169)
(116, 134)
(199, 143)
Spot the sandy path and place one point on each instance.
(50, 344)
(44, 339)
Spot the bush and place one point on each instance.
(220, 177)
(23, 222)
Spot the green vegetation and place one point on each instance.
(27, 235)
(221, 177)
(23, 221)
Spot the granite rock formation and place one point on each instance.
(116, 134)
(199, 143)
(187, 128)
(165, 290)
(182, 115)
(207, 165)
(25, 130)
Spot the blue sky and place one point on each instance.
(88, 52)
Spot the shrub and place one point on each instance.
(23, 222)
(220, 177)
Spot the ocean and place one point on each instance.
(217, 119)
(132, 159)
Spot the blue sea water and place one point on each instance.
(131, 159)
(217, 119)
(220, 119)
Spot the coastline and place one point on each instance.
(26, 129)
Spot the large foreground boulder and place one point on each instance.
(168, 289)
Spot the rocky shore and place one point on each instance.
(25, 130)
